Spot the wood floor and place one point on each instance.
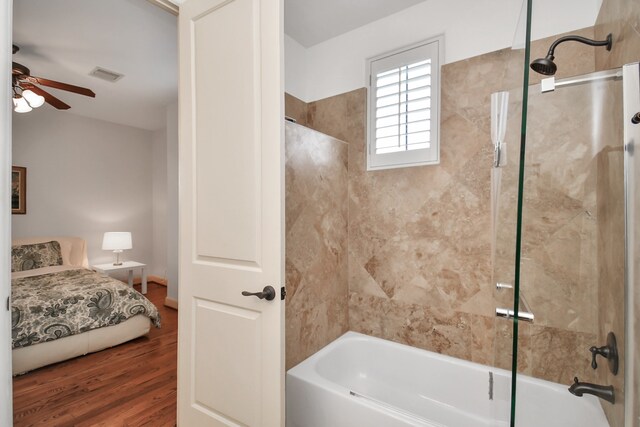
(133, 384)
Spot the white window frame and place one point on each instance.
(433, 49)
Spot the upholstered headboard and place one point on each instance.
(74, 249)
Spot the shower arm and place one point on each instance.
(607, 42)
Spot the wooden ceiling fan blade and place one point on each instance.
(50, 99)
(59, 85)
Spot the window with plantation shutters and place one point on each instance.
(404, 100)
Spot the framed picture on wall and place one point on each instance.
(18, 190)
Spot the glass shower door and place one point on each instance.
(569, 302)
(573, 249)
(506, 125)
(505, 120)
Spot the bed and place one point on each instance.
(61, 309)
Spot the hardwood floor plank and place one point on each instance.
(133, 384)
(135, 411)
(164, 417)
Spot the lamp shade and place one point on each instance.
(33, 98)
(21, 105)
(116, 240)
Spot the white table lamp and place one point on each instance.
(117, 241)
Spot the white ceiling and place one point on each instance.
(65, 39)
(310, 22)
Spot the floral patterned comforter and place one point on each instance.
(55, 305)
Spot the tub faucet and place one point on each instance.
(601, 391)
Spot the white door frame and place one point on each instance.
(6, 397)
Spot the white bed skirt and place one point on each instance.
(42, 354)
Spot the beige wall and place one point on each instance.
(85, 177)
(296, 109)
(316, 241)
(171, 165)
(622, 19)
(159, 203)
(611, 257)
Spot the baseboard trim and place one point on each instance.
(171, 303)
(155, 279)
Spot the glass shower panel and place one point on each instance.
(572, 249)
(506, 125)
(504, 197)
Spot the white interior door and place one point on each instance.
(6, 400)
(230, 363)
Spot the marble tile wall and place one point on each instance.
(611, 257)
(316, 209)
(622, 19)
(418, 237)
(420, 266)
(296, 109)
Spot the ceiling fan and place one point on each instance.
(26, 95)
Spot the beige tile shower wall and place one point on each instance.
(295, 109)
(316, 209)
(419, 238)
(622, 19)
(611, 256)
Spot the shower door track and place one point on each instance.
(550, 84)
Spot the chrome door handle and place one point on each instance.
(267, 293)
(509, 314)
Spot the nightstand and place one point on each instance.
(126, 266)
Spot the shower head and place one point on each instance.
(547, 67)
(544, 65)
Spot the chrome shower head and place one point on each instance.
(547, 67)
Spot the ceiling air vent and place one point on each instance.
(104, 74)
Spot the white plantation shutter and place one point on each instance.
(403, 107)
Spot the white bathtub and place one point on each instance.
(361, 381)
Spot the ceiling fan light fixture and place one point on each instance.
(20, 105)
(33, 98)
